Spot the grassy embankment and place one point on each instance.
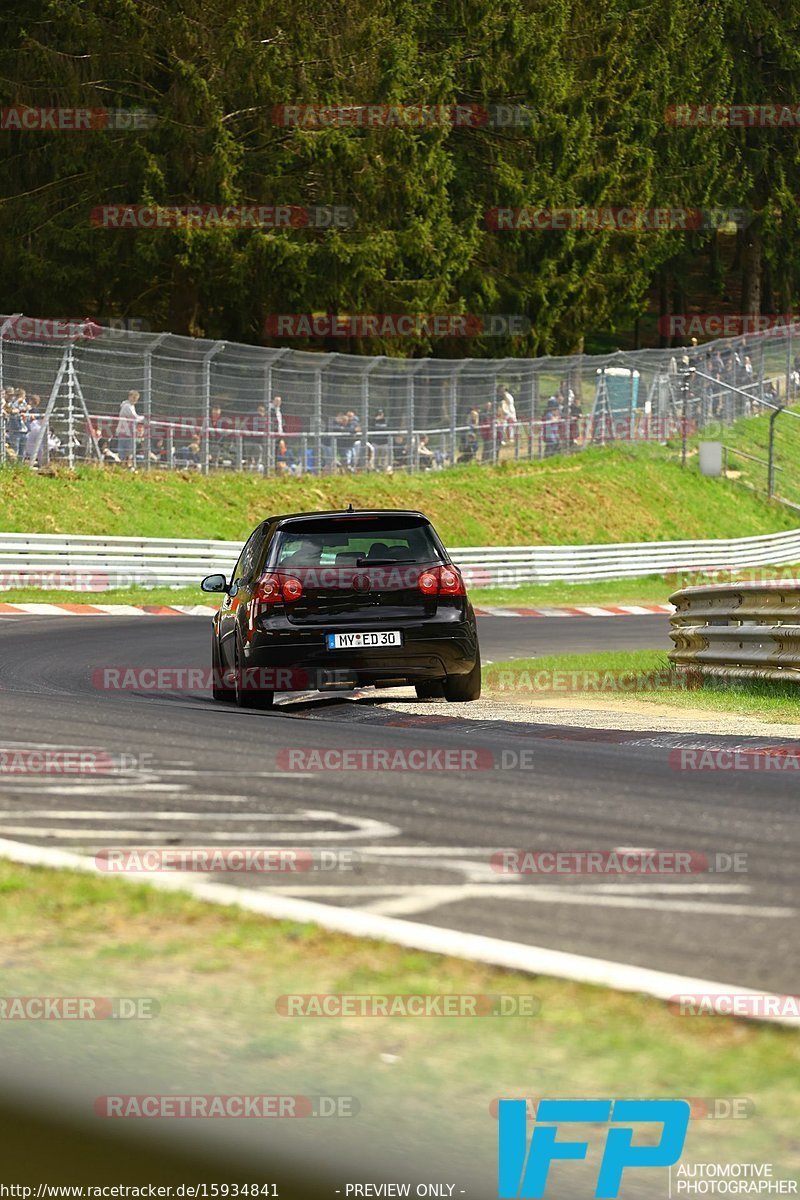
(615, 494)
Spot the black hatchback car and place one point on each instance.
(341, 600)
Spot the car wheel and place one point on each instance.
(459, 689)
(248, 697)
(219, 691)
(429, 689)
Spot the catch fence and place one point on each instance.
(203, 405)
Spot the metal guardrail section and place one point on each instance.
(745, 631)
(98, 563)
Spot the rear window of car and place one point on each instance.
(344, 541)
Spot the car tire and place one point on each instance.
(249, 697)
(221, 693)
(460, 689)
(429, 689)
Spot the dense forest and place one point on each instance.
(568, 105)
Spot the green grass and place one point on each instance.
(526, 678)
(606, 495)
(751, 435)
(217, 972)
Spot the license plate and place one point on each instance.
(362, 640)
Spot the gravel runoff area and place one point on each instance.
(593, 714)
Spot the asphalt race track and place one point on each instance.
(217, 776)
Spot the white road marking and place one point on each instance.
(113, 836)
(513, 956)
(86, 814)
(426, 898)
(349, 826)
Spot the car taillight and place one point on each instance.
(441, 581)
(268, 590)
(291, 588)
(274, 588)
(450, 582)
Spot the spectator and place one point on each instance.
(16, 427)
(485, 427)
(469, 438)
(352, 429)
(107, 455)
(284, 459)
(330, 444)
(34, 442)
(425, 455)
(127, 423)
(380, 440)
(254, 447)
(188, 457)
(158, 450)
(276, 416)
(400, 452)
(216, 435)
(509, 412)
(551, 431)
(575, 414)
(363, 452)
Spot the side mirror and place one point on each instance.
(214, 583)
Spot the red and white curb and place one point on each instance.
(107, 610)
(207, 610)
(433, 939)
(580, 610)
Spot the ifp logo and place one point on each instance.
(523, 1170)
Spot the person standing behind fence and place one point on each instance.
(575, 416)
(127, 422)
(485, 429)
(551, 431)
(380, 439)
(34, 442)
(276, 417)
(17, 427)
(509, 410)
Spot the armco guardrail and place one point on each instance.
(84, 563)
(744, 631)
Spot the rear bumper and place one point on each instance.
(299, 658)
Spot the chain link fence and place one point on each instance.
(202, 405)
